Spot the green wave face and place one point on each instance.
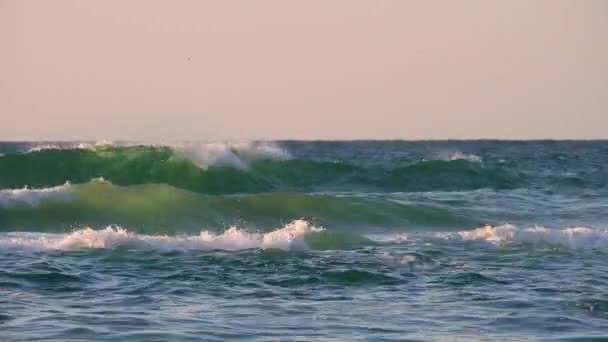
(121, 166)
(157, 208)
(148, 164)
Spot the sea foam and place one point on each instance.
(68, 146)
(229, 154)
(459, 156)
(290, 237)
(504, 235)
(575, 237)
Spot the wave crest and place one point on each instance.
(229, 154)
(574, 238)
(33, 197)
(290, 237)
(235, 154)
(150, 207)
(459, 156)
(241, 168)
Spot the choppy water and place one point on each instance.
(382, 240)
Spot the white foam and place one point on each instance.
(289, 237)
(37, 148)
(33, 197)
(575, 238)
(69, 146)
(450, 156)
(229, 154)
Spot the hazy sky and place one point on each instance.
(308, 69)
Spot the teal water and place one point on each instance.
(365, 240)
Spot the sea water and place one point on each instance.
(334, 241)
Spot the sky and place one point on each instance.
(307, 69)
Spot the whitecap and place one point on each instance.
(289, 237)
(458, 155)
(229, 154)
(574, 237)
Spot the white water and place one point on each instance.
(450, 156)
(229, 154)
(69, 146)
(575, 237)
(290, 237)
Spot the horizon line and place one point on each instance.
(143, 141)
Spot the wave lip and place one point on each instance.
(237, 155)
(68, 146)
(33, 197)
(459, 156)
(290, 237)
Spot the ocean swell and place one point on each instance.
(241, 168)
(155, 208)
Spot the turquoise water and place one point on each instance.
(454, 240)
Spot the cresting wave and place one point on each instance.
(508, 235)
(33, 197)
(237, 155)
(298, 235)
(575, 237)
(151, 208)
(241, 168)
(229, 154)
(459, 156)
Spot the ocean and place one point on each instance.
(300, 241)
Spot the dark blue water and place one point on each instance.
(382, 240)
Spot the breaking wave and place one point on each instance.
(298, 235)
(154, 207)
(459, 156)
(241, 168)
(33, 197)
(505, 235)
(235, 154)
(510, 235)
(575, 237)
